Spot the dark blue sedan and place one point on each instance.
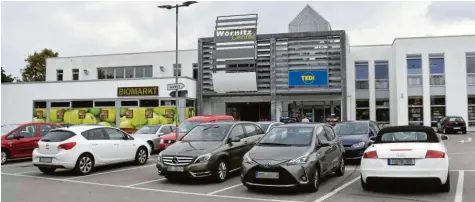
(355, 136)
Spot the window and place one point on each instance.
(470, 60)
(44, 129)
(57, 136)
(437, 109)
(114, 134)
(471, 111)
(148, 72)
(61, 104)
(362, 109)
(129, 72)
(321, 134)
(139, 72)
(437, 80)
(436, 63)
(95, 134)
(165, 130)
(238, 132)
(416, 109)
(82, 104)
(101, 74)
(109, 73)
(361, 75)
(75, 74)
(382, 111)
(414, 65)
(362, 85)
(251, 130)
(125, 72)
(381, 74)
(13, 135)
(119, 72)
(414, 80)
(59, 74)
(149, 103)
(174, 69)
(195, 70)
(330, 133)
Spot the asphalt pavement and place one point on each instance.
(22, 182)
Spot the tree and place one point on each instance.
(35, 70)
(6, 78)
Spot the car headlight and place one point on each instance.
(358, 145)
(247, 159)
(159, 159)
(300, 159)
(161, 141)
(203, 158)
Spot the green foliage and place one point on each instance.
(35, 70)
(6, 78)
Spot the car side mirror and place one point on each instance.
(444, 137)
(20, 137)
(159, 134)
(325, 144)
(234, 139)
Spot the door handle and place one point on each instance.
(245, 142)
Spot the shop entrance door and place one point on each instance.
(319, 114)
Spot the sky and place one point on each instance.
(86, 28)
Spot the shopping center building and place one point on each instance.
(311, 71)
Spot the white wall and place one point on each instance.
(165, 58)
(17, 98)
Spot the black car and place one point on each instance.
(451, 124)
(209, 150)
(293, 155)
(355, 136)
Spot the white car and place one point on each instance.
(84, 147)
(412, 152)
(152, 133)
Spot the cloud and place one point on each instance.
(84, 28)
(451, 11)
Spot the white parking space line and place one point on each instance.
(141, 183)
(459, 192)
(17, 164)
(113, 171)
(31, 171)
(148, 189)
(224, 189)
(336, 190)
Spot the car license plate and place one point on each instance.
(267, 175)
(456, 128)
(175, 169)
(46, 159)
(401, 162)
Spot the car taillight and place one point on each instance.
(435, 154)
(67, 146)
(370, 155)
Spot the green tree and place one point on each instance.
(35, 70)
(6, 78)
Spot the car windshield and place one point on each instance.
(456, 119)
(351, 129)
(148, 130)
(7, 128)
(404, 137)
(208, 133)
(288, 136)
(264, 126)
(188, 125)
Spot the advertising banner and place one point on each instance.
(135, 118)
(75, 116)
(308, 78)
(39, 115)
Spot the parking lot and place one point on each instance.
(126, 182)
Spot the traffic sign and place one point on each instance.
(175, 86)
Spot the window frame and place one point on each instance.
(104, 130)
(75, 74)
(59, 74)
(232, 129)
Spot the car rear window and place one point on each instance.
(57, 136)
(404, 137)
(398, 134)
(455, 119)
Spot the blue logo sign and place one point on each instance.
(308, 78)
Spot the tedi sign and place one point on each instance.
(231, 35)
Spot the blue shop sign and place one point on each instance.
(308, 78)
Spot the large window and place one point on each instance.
(362, 109)
(361, 74)
(414, 70)
(382, 111)
(381, 71)
(174, 69)
(416, 109)
(437, 109)
(437, 69)
(470, 60)
(471, 111)
(125, 72)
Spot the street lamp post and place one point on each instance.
(169, 7)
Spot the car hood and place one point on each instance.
(194, 148)
(171, 136)
(353, 139)
(276, 153)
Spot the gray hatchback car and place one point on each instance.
(293, 155)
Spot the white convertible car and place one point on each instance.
(84, 147)
(406, 152)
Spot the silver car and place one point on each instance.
(267, 125)
(152, 133)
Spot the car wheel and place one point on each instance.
(446, 187)
(46, 170)
(341, 169)
(151, 146)
(84, 164)
(315, 180)
(141, 156)
(221, 171)
(171, 179)
(366, 186)
(464, 131)
(4, 156)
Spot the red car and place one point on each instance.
(188, 124)
(19, 141)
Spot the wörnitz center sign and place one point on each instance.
(230, 35)
(137, 91)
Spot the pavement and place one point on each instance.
(22, 182)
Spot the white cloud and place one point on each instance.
(82, 28)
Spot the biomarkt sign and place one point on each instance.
(247, 34)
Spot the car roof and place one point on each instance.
(226, 122)
(268, 122)
(81, 128)
(300, 125)
(208, 118)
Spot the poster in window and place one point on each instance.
(104, 115)
(39, 114)
(129, 114)
(169, 113)
(60, 114)
(82, 114)
(149, 113)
